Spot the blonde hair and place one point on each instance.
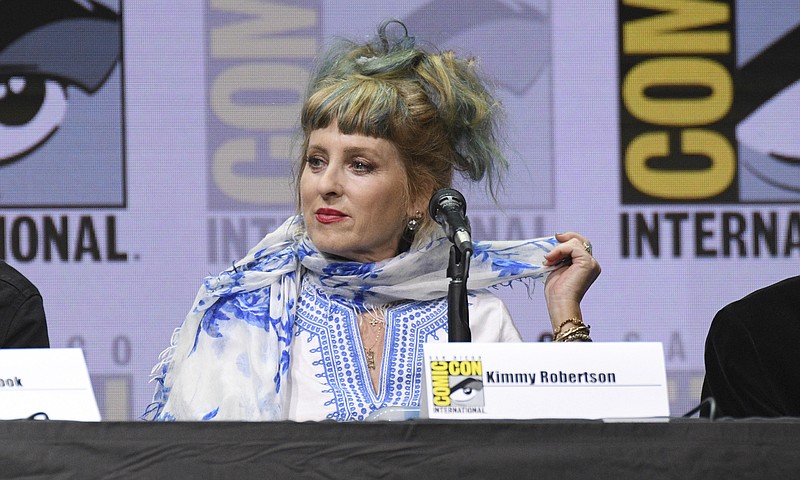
(433, 107)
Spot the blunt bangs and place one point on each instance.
(360, 105)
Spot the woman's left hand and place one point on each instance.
(566, 286)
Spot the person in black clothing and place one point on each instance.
(22, 320)
(751, 359)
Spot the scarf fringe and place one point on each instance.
(157, 374)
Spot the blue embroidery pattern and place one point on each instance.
(341, 354)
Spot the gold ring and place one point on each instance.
(588, 247)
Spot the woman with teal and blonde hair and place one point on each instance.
(326, 317)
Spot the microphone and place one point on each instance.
(449, 209)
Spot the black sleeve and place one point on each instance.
(735, 374)
(26, 326)
(751, 360)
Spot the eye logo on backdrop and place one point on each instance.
(527, 36)
(61, 111)
(766, 108)
(709, 102)
(511, 41)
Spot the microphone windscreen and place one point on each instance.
(444, 196)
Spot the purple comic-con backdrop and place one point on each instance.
(160, 148)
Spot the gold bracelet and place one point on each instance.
(573, 330)
(573, 320)
(573, 335)
(578, 337)
(583, 329)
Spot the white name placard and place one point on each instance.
(588, 380)
(53, 381)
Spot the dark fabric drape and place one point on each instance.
(22, 318)
(679, 449)
(752, 354)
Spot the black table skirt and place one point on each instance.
(679, 449)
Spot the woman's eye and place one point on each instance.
(361, 167)
(315, 163)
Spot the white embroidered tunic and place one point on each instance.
(329, 378)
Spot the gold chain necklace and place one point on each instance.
(374, 321)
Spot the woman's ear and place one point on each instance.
(421, 204)
(418, 210)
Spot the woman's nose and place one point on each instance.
(330, 181)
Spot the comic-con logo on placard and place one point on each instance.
(457, 386)
(709, 101)
(61, 110)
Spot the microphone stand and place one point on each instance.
(457, 310)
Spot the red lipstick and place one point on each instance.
(329, 215)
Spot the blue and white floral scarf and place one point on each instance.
(260, 291)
